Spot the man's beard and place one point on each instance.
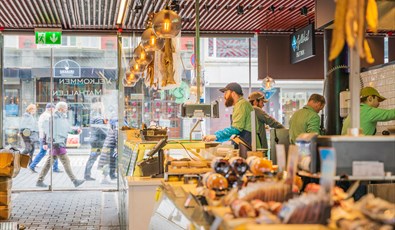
(229, 102)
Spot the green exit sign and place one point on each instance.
(49, 37)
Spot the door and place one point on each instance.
(73, 90)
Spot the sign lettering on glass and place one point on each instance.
(67, 69)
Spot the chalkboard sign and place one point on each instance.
(302, 45)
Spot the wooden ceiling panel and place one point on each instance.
(216, 16)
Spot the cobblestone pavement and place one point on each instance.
(26, 180)
(65, 210)
(90, 206)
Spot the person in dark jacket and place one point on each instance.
(98, 132)
(257, 100)
(109, 156)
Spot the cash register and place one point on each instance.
(348, 149)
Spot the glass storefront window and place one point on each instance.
(85, 77)
(232, 47)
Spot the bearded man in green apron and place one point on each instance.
(241, 118)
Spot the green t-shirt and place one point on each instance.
(305, 120)
(241, 116)
(369, 116)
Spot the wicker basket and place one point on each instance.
(153, 134)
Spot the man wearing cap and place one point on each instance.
(241, 117)
(44, 117)
(307, 120)
(369, 113)
(257, 100)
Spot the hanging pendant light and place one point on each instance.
(267, 82)
(136, 67)
(150, 41)
(166, 24)
(130, 79)
(141, 56)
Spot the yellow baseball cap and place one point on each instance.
(370, 91)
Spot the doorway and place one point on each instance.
(71, 86)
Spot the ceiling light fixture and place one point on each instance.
(141, 56)
(304, 10)
(150, 41)
(175, 5)
(240, 9)
(166, 23)
(272, 8)
(121, 12)
(267, 82)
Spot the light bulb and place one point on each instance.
(136, 67)
(152, 40)
(268, 83)
(166, 25)
(142, 56)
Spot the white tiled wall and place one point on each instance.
(383, 80)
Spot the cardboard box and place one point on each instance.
(5, 212)
(132, 135)
(5, 184)
(5, 198)
(6, 164)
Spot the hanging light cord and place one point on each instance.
(267, 58)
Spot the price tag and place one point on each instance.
(158, 193)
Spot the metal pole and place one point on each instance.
(121, 102)
(197, 51)
(249, 66)
(51, 121)
(355, 87)
(1, 89)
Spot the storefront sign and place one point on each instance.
(302, 44)
(48, 37)
(67, 69)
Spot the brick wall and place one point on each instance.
(383, 79)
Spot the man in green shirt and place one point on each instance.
(306, 120)
(241, 117)
(369, 113)
(257, 100)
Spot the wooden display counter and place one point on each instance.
(137, 149)
(141, 200)
(171, 213)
